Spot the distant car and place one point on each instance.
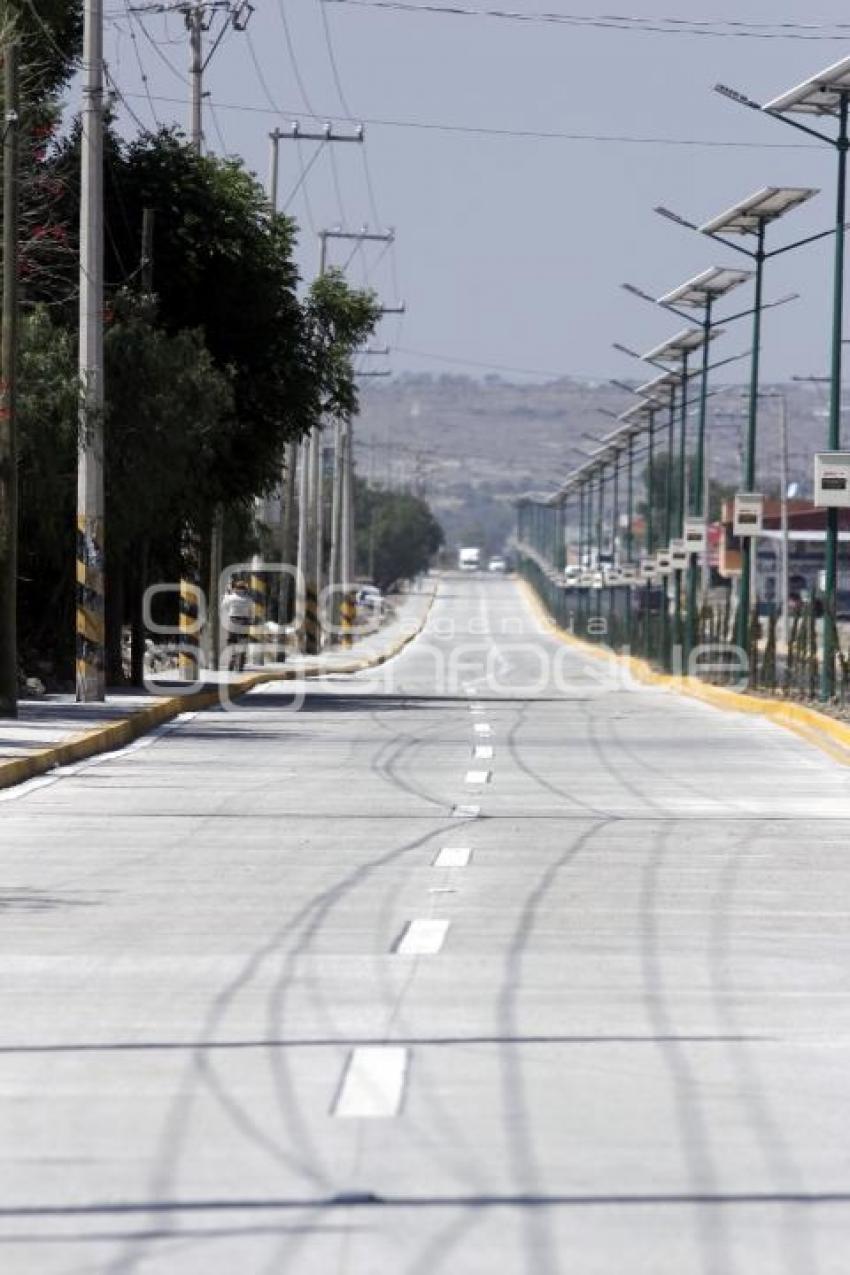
(369, 598)
(496, 564)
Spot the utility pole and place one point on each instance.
(91, 652)
(313, 559)
(8, 378)
(195, 24)
(288, 526)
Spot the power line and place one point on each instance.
(262, 79)
(652, 26)
(329, 44)
(294, 61)
(476, 130)
(140, 64)
(158, 51)
(487, 367)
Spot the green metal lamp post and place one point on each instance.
(827, 94)
(750, 218)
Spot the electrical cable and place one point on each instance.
(329, 45)
(337, 188)
(263, 83)
(184, 79)
(522, 134)
(294, 61)
(302, 185)
(140, 63)
(217, 126)
(304, 172)
(489, 367)
(652, 26)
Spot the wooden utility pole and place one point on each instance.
(8, 370)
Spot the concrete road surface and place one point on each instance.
(485, 963)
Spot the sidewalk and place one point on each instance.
(56, 730)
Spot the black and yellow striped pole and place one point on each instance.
(348, 606)
(91, 636)
(188, 625)
(258, 615)
(308, 549)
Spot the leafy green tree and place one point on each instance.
(47, 459)
(396, 534)
(51, 34)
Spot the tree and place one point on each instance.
(657, 498)
(47, 460)
(396, 534)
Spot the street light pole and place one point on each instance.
(749, 475)
(827, 688)
(699, 493)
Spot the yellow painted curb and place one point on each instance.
(120, 733)
(826, 733)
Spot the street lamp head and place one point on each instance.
(715, 282)
(764, 206)
(822, 94)
(678, 347)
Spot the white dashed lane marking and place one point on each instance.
(453, 857)
(423, 937)
(373, 1084)
(476, 777)
(466, 812)
(483, 728)
(483, 752)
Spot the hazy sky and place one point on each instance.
(510, 249)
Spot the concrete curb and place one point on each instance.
(832, 736)
(118, 734)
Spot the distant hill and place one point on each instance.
(473, 446)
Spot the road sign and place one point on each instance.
(695, 535)
(832, 480)
(749, 514)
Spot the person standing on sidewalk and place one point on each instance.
(237, 613)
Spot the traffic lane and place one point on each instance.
(536, 981)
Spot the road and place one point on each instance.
(326, 993)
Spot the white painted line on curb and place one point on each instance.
(423, 937)
(478, 776)
(483, 728)
(373, 1083)
(453, 857)
(483, 752)
(466, 812)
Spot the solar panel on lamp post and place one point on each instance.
(662, 391)
(700, 295)
(678, 351)
(828, 94)
(751, 217)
